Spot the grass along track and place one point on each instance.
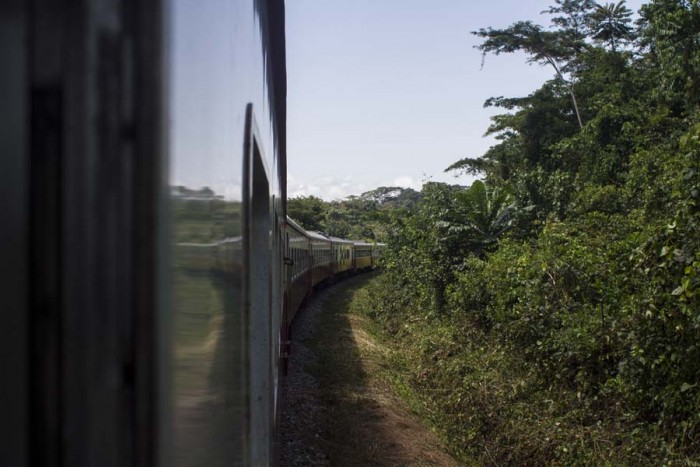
(364, 422)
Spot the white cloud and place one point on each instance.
(326, 188)
(331, 188)
(407, 182)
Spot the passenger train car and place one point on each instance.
(153, 270)
(315, 259)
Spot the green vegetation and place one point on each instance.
(363, 217)
(551, 314)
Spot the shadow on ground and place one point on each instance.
(365, 423)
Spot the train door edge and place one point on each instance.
(258, 222)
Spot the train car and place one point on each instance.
(297, 285)
(227, 176)
(343, 256)
(298, 256)
(321, 258)
(143, 176)
(363, 255)
(143, 184)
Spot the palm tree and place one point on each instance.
(609, 23)
(488, 213)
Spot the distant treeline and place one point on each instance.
(364, 217)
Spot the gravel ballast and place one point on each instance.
(302, 415)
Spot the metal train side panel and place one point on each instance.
(321, 258)
(298, 273)
(227, 181)
(14, 244)
(82, 165)
(363, 255)
(260, 323)
(148, 302)
(343, 255)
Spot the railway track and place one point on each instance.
(340, 407)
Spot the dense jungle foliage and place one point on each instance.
(551, 312)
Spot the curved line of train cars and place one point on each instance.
(315, 259)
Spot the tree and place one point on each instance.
(392, 196)
(669, 32)
(382, 194)
(308, 211)
(609, 23)
(596, 290)
(573, 15)
(488, 213)
(558, 49)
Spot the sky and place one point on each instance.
(391, 92)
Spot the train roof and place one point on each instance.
(295, 226)
(317, 235)
(341, 240)
(360, 243)
(312, 234)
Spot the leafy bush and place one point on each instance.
(573, 335)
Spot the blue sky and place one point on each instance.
(391, 92)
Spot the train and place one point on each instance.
(316, 259)
(309, 261)
(153, 271)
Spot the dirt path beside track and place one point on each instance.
(340, 408)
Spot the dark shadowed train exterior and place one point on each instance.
(154, 273)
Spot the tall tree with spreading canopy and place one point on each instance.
(558, 49)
